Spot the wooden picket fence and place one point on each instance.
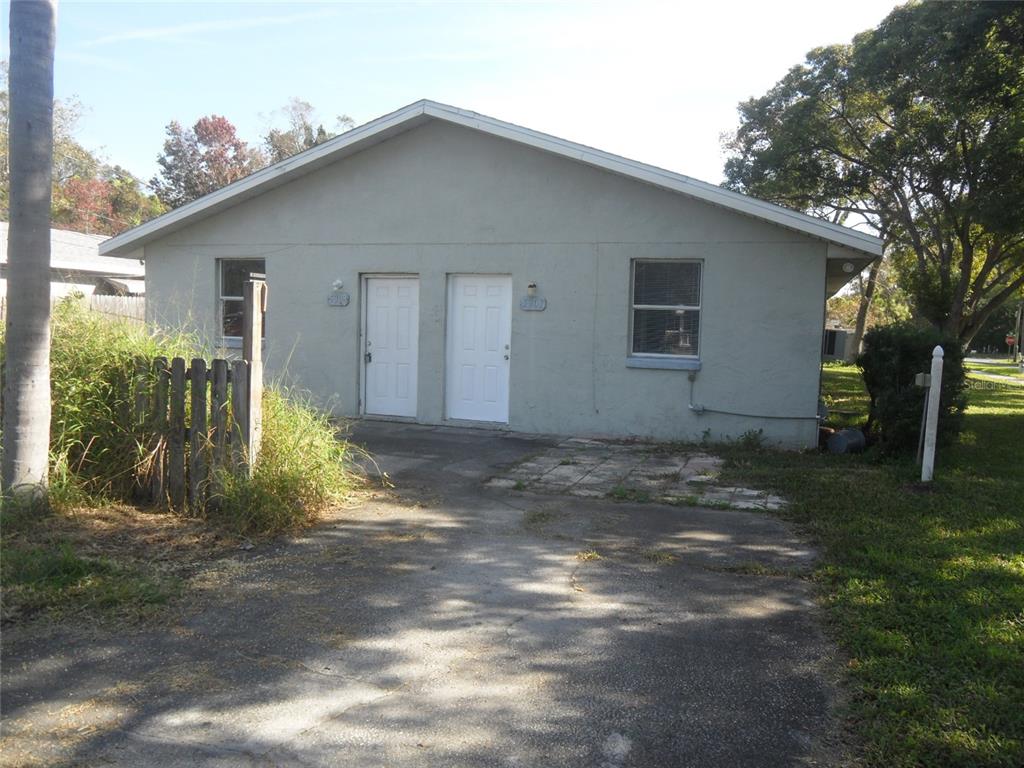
(225, 414)
(202, 421)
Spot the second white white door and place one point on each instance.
(391, 345)
(479, 353)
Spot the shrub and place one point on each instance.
(892, 355)
(303, 468)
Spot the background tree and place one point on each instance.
(26, 412)
(88, 194)
(82, 205)
(916, 130)
(303, 131)
(886, 304)
(70, 159)
(130, 203)
(105, 204)
(992, 336)
(201, 159)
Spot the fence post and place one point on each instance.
(161, 381)
(176, 437)
(198, 470)
(240, 413)
(932, 417)
(219, 411)
(141, 393)
(255, 298)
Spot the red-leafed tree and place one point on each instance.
(201, 159)
(83, 205)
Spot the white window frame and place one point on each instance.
(232, 342)
(633, 307)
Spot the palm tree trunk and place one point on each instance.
(26, 411)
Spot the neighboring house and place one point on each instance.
(835, 342)
(444, 267)
(76, 266)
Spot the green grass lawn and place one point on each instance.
(999, 369)
(924, 589)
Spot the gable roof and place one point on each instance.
(423, 111)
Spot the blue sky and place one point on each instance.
(657, 82)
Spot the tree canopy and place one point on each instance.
(302, 132)
(202, 159)
(88, 195)
(915, 130)
(209, 155)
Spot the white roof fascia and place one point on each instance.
(650, 174)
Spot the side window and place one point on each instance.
(666, 298)
(231, 277)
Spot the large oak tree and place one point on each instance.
(916, 130)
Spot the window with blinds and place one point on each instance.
(666, 308)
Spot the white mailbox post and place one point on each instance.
(931, 422)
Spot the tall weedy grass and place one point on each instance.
(95, 450)
(98, 454)
(303, 468)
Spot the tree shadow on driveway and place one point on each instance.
(446, 624)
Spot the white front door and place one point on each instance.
(391, 345)
(479, 338)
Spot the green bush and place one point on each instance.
(892, 355)
(98, 455)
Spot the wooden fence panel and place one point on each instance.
(219, 413)
(121, 307)
(198, 468)
(176, 437)
(161, 383)
(140, 397)
(192, 445)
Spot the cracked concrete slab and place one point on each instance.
(448, 623)
(596, 468)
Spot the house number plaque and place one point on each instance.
(532, 304)
(338, 300)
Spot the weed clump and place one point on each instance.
(303, 468)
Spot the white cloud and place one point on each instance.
(182, 31)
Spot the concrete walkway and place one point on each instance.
(451, 624)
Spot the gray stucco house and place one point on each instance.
(444, 267)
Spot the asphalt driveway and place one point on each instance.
(448, 623)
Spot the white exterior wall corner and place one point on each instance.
(442, 199)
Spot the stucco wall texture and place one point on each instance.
(442, 199)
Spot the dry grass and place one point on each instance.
(115, 561)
